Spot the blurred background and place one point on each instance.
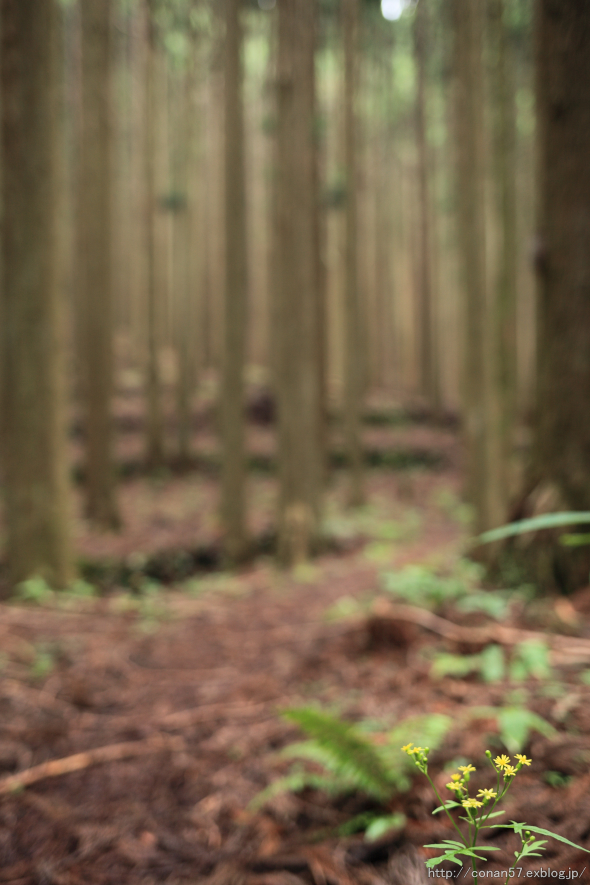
(272, 233)
(294, 307)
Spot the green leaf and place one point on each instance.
(574, 540)
(534, 654)
(450, 804)
(492, 663)
(490, 602)
(545, 521)
(518, 828)
(452, 855)
(489, 817)
(434, 861)
(516, 723)
(381, 825)
(454, 665)
(295, 782)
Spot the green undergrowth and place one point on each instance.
(526, 660)
(422, 586)
(340, 757)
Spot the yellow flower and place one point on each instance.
(471, 803)
(501, 761)
(523, 759)
(416, 750)
(487, 794)
(455, 777)
(509, 771)
(406, 749)
(466, 768)
(458, 788)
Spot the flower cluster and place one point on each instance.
(420, 755)
(504, 767)
(459, 783)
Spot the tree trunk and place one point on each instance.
(183, 279)
(32, 373)
(354, 362)
(428, 368)
(154, 418)
(296, 279)
(505, 284)
(471, 241)
(96, 260)
(563, 263)
(236, 292)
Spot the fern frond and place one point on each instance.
(295, 782)
(344, 751)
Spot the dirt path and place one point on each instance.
(173, 698)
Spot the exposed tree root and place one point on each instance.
(79, 761)
(565, 649)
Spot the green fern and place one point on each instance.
(296, 781)
(344, 752)
(351, 762)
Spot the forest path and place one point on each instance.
(190, 681)
(174, 696)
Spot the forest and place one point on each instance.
(294, 468)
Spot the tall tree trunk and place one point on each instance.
(32, 371)
(183, 282)
(354, 362)
(471, 240)
(428, 368)
(296, 279)
(504, 314)
(96, 260)
(154, 418)
(563, 264)
(236, 292)
(320, 330)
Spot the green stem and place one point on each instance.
(446, 810)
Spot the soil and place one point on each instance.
(173, 694)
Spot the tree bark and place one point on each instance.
(428, 367)
(154, 418)
(236, 292)
(96, 260)
(503, 327)
(471, 239)
(32, 329)
(354, 361)
(562, 443)
(183, 278)
(296, 280)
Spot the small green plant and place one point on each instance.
(82, 589)
(351, 758)
(151, 606)
(454, 507)
(419, 585)
(515, 723)
(557, 779)
(529, 659)
(43, 663)
(478, 810)
(35, 590)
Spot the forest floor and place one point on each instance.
(172, 693)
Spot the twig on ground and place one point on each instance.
(79, 761)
